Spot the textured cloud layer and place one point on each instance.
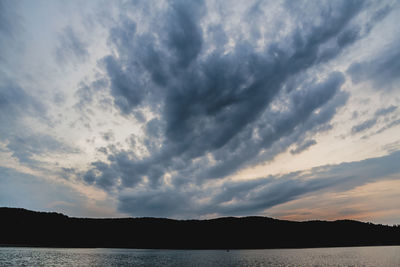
(220, 100)
(167, 103)
(220, 106)
(257, 196)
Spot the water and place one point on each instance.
(354, 256)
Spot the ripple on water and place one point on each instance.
(353, 256)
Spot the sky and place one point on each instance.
(201, 109)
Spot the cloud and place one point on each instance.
(184, 35)
(219, 109)
(363, 126)
(71, 47)
(16, 105)
(187, 94)
(10, 26)
(26, 147)
(108, 136)
(376, 201)
(28, 191)
(125, 90)
(16, 102)
(303, 146)
(368, 124)
(383, 71)
(388, 126)
(300, 118)
(157, 204)
(385, 111)
(277, 134)
(101, 174)
(6, 16)
(256, 196)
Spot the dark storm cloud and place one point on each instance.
(71, 47)
(122, 166)
(126, 91)
(278, 130)
(101, 174)
(184, 37)
(255, 196)
(138, 54)
(218, 109)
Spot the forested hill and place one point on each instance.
(20, 227)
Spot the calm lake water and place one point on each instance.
(354, 256)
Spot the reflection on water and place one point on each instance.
(354, 256)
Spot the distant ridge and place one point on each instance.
(20, 227)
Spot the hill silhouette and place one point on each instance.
(20, 227)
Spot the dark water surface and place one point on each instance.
(347, 256)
